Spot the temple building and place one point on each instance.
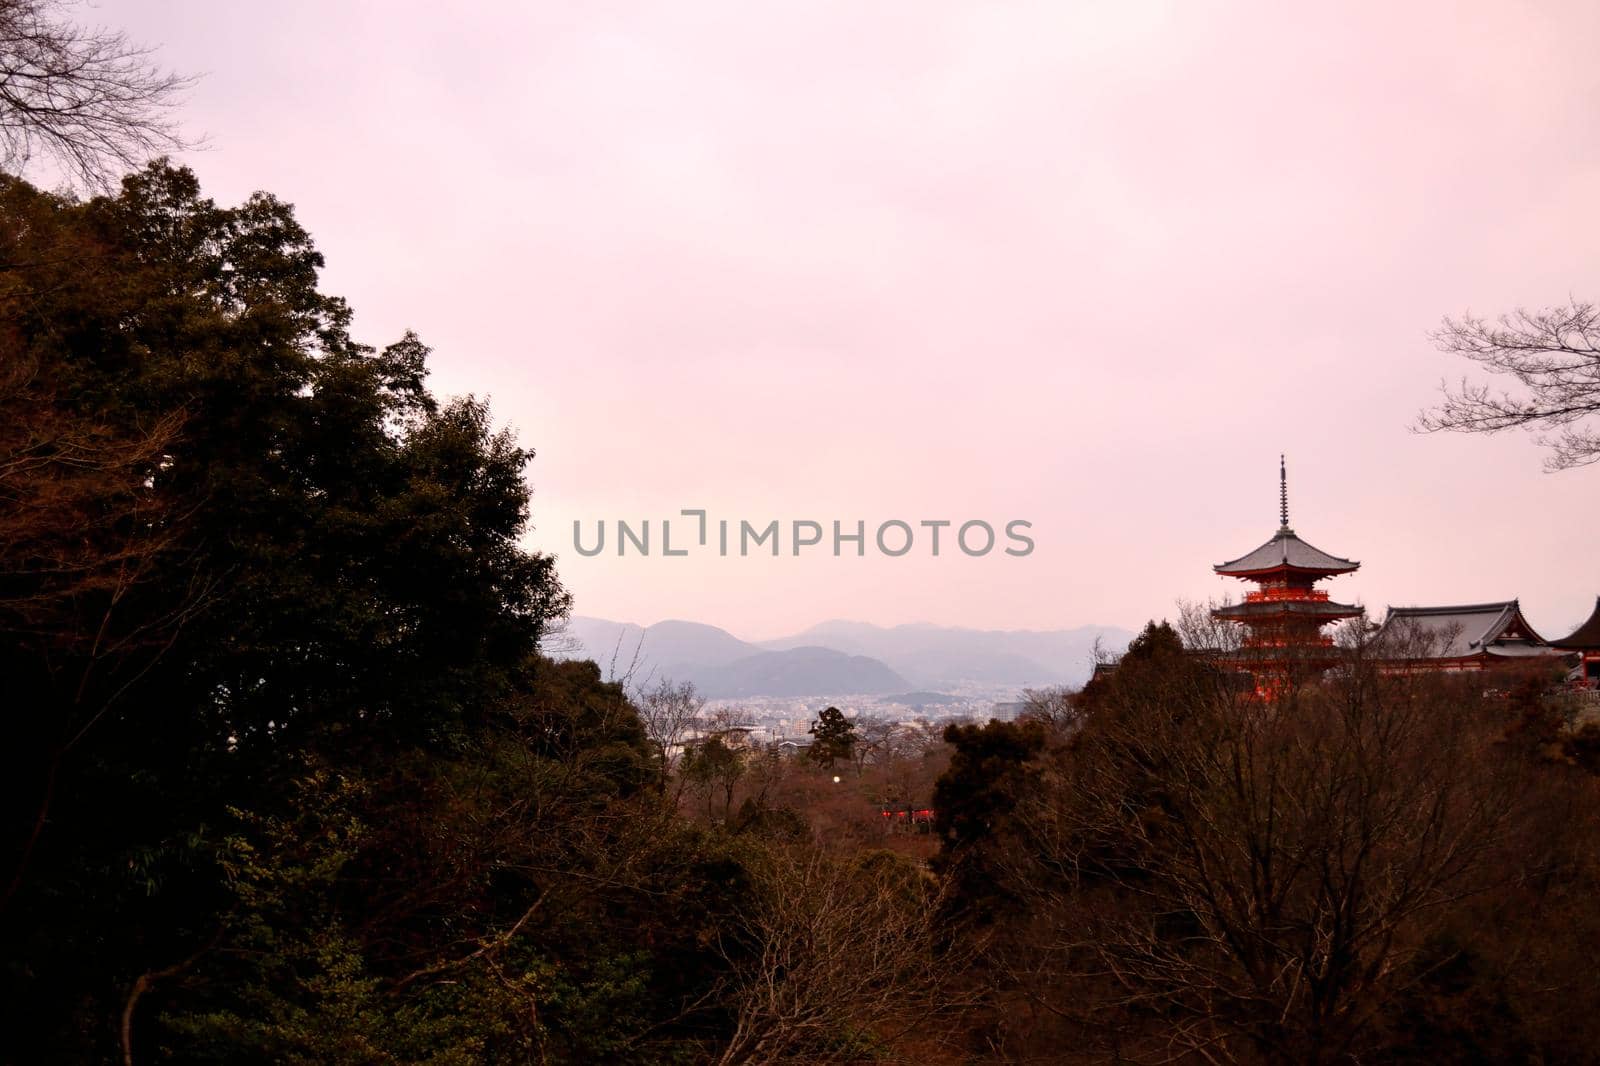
(1284, 616)
(1585, 641)
(1472, 636)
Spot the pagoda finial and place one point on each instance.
(1283, 493)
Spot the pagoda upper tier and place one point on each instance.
(1286, 553)
(1285, 561)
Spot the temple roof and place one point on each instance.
(1286, 549)
(1464, 630)
(1586, 637)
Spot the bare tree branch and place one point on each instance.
(835, 959)
(88, 99)
(1553, 356)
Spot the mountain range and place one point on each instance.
(837, 657)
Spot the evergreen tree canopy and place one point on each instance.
(834, 737)
(238, 544)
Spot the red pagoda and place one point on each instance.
(1284, 617)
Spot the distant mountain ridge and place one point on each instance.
(836, 658)
(720, 664)
(938, 655)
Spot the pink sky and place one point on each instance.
(1092, 265)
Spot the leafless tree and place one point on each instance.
(1258, 878)
(835, 958)
(558, 641)
(717, 754)
(89, 99)
(1553, 356)
(1053, 706)
(1203, 632)
(729, 721)
(670, 712)
(874, 741)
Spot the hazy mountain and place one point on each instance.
(800, 672)
(720, 664)
(934, 655)
(668, 649)
(838, 657)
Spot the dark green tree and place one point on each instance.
(834, 738)
(989, 773)
(335, 573)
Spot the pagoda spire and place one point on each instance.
(1283, 495)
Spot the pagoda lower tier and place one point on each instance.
(1314, 612)
(1284, 633)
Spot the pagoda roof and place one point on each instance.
(1275, 608)
(1286, 551)
(1586, 637)
(1463, 630)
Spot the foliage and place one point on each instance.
(833, 737)
(992, 768)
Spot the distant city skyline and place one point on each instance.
(1093, 266)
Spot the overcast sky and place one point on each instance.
(1090, 265)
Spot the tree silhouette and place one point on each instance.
(835, 737)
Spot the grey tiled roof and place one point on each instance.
(1287, 549)
(1586, 637)
(1462, 630)
(1522, 650)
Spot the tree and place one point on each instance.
(1257, 883)
(190, 424)
(669, 711)
(993, 767)
(987, 777)
(873, 741)
(90, 100)
(834, 737)
(709, 764)
(1055, 706)
(82, 535)
(1553, 356)
(836, 961)
(527, 897)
